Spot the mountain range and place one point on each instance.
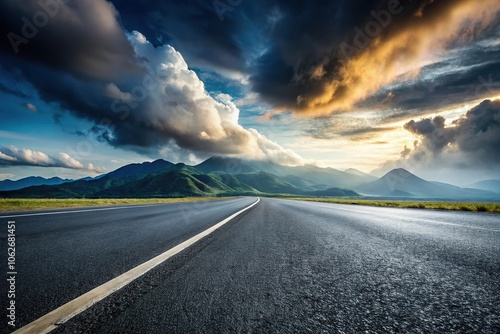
(222, 176)
(29, 182)
(401, 183)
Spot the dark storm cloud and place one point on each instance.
(433, 132)
(470, 144)
(298, 36)
(305, 38)
(193, 28)
(308, 71)
(80, 37)
(478, 133)
(475, 135)
(318, 57)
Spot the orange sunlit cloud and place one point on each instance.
(403, 51)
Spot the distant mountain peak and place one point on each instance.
(400, 172)
(354, 171)
(401, 183)
(144, 168)
(226, 165)
(157, 161)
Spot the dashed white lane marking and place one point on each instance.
(67, 311)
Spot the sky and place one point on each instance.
(87, 86)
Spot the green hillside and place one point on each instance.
(174, 181)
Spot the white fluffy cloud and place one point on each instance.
(12, 156)
(170, 107)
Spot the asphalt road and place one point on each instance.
(61, 256)
(281, 267)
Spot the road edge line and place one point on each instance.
(62, 314)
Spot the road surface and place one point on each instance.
(63, 255)
(281, 267)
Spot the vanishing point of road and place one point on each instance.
(281, 266)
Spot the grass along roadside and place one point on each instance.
(456, 206)
(22, 204)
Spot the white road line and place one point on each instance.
(79, 211)
(329, 206)
(51, 320)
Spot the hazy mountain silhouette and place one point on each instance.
(30, 181)
(488, 185)
(401, 183)
(366, 177)
(324, 177)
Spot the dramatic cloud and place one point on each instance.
(433, 132)
(171, 103)
(372, 62)
(401, 57)
(81, 37)
(140, 97)
(12, 156)
(352, 68)
(314, 58)
(466, 74)
(193, 28)
(469, 142)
